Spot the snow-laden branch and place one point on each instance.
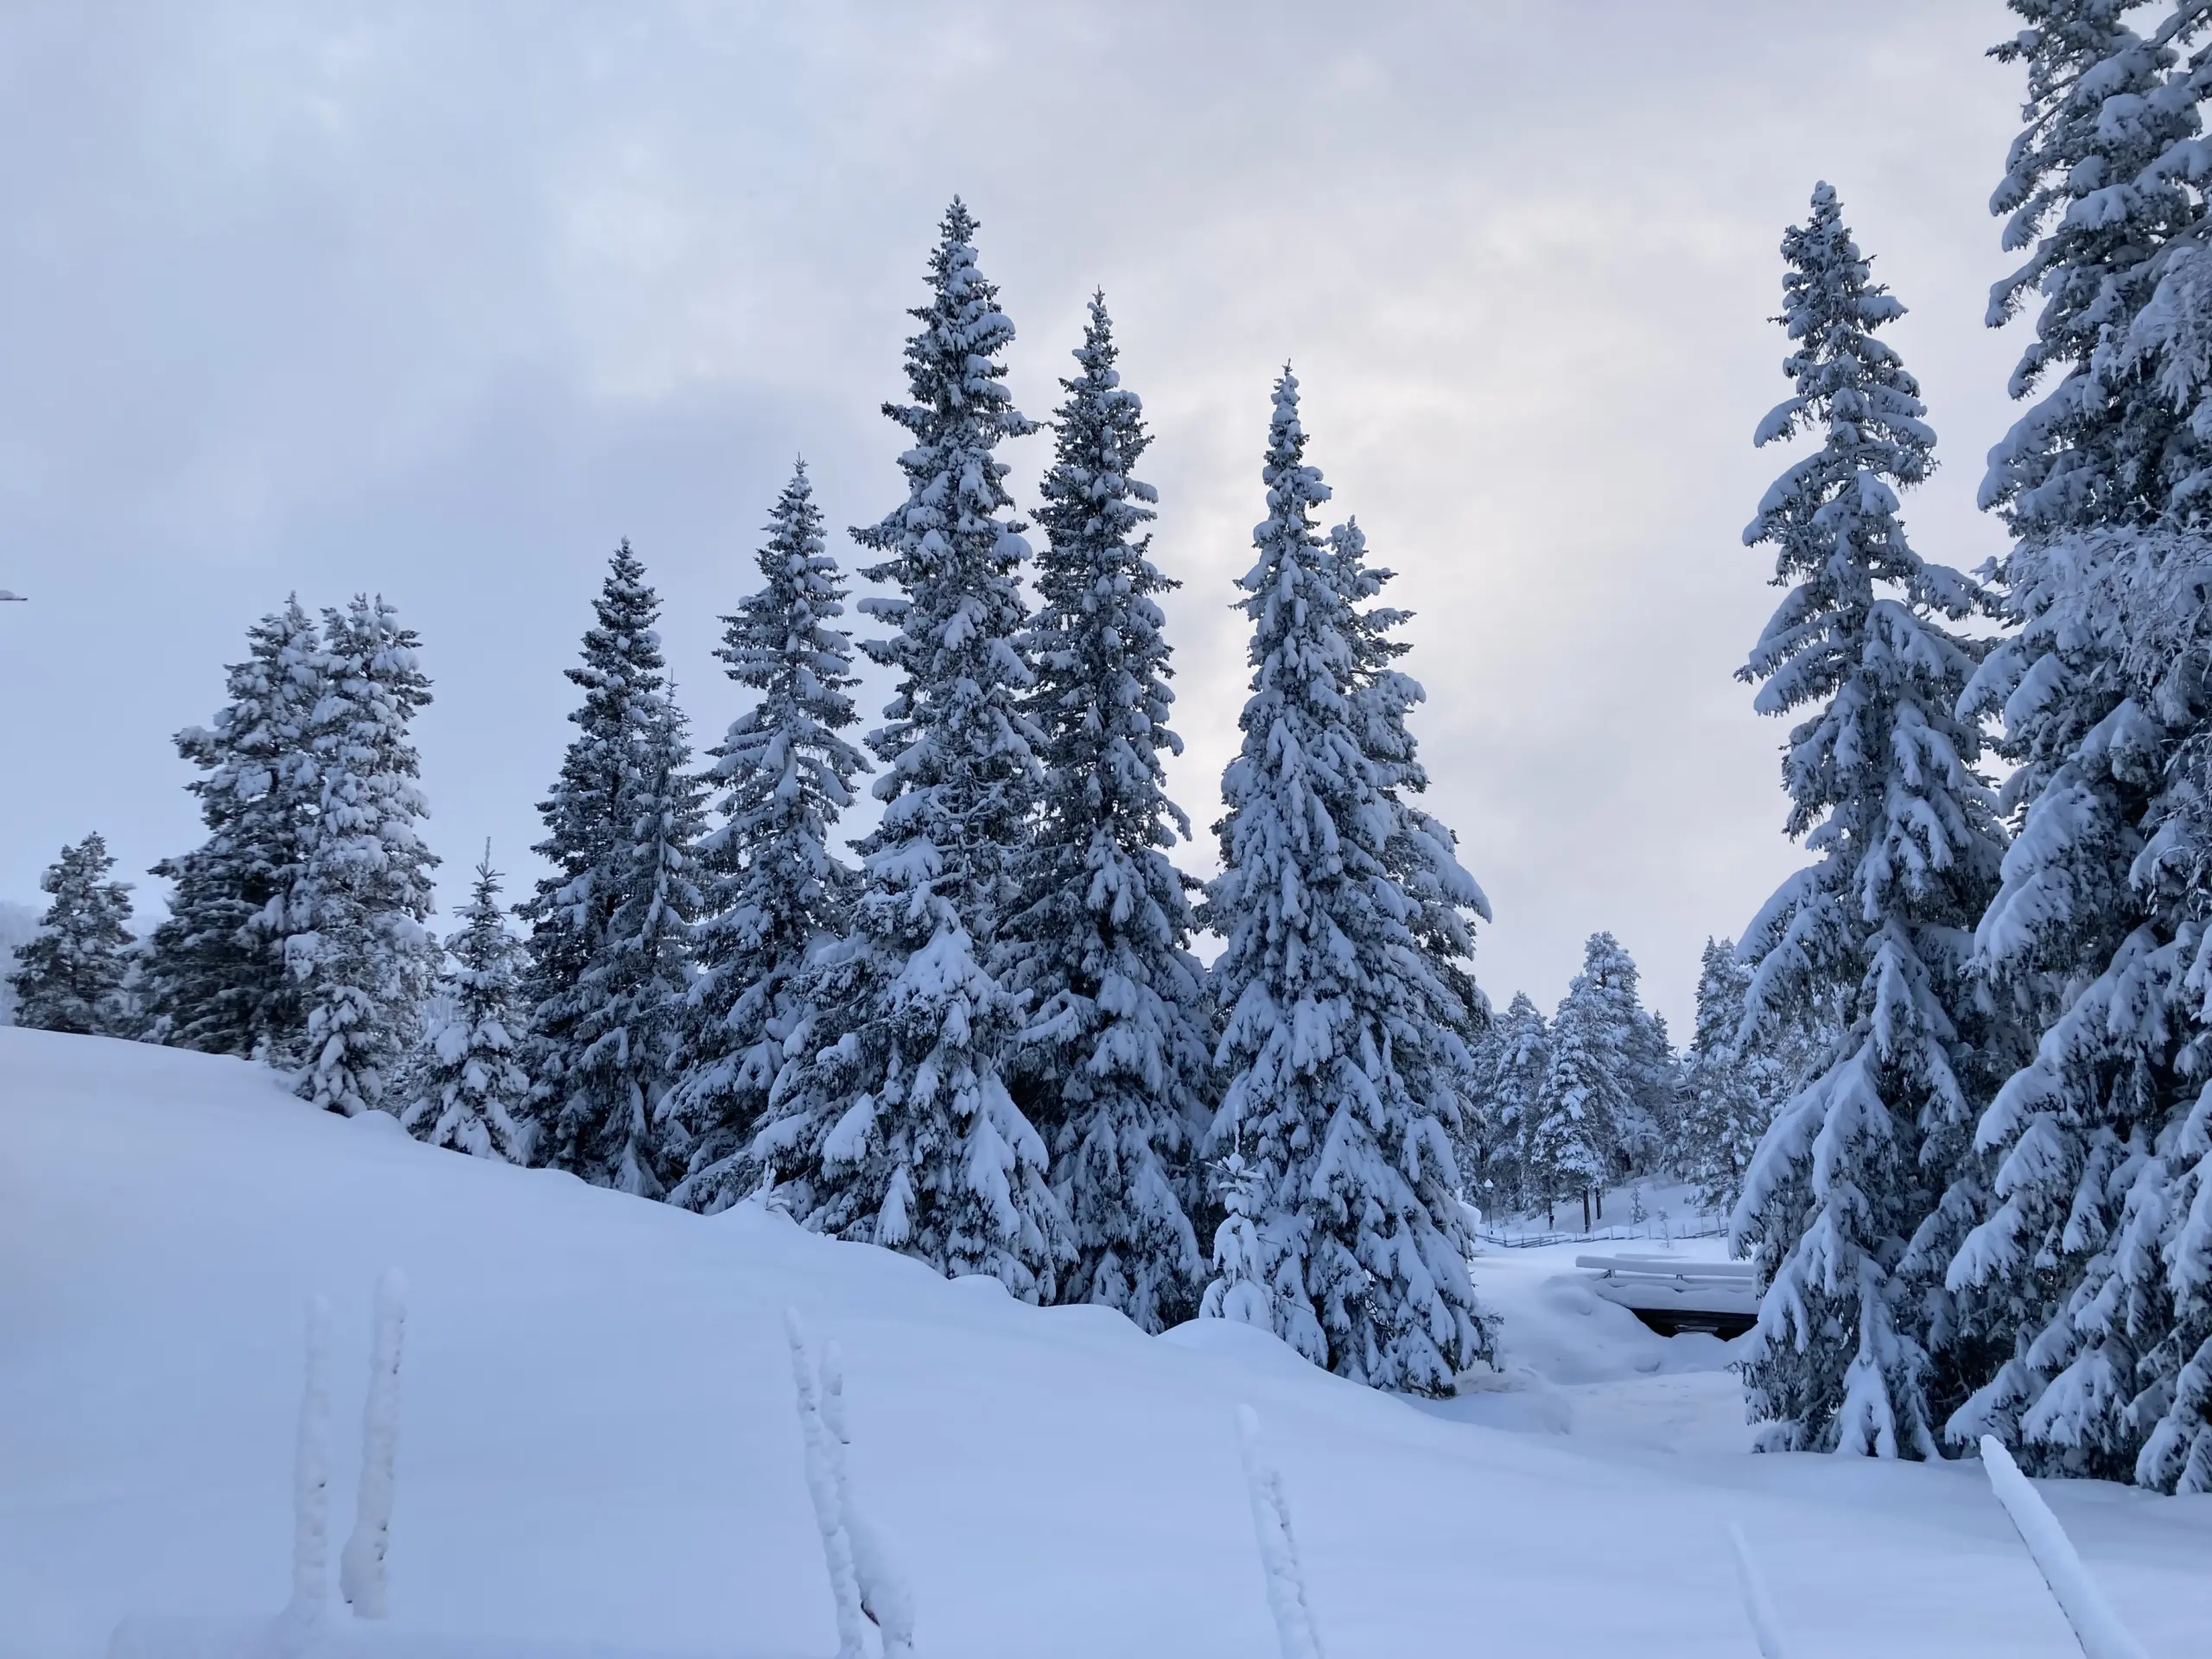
(1286, 1576)
(2096, 1627)
(361, 1577)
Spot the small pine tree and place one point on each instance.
(1337, 1094)
(1724, 1110)
(1115, 1062)
(214, 974)
(1511, 1063)
(72, 975)
(1242, 1267)
(1574, 1146)
(469, 1091)
(350, 922)
(773, 888)
(1848, 1205)
(607, 976)
(892, 1123)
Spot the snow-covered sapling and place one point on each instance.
(1279, 1561)
(361, 1577)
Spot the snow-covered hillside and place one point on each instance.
(598, 1438)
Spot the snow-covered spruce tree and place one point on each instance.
(637, 987)
(1655, 1088)
(1420, 851)
(1512, 1060)
(891, 1122)
(1114, 1064)
(1575, 1144)
(2172, 1202)
(1725, 1112)
(608, 974)
(2094, 931)
(771, 888)
(468, 1089)
(2103, 185)
(1333, 1013)
(1239, 1289)
(71, 976)
(1860, 1187)
(215, 980)
(350, 921)
(2083, 1265)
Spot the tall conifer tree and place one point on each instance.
(2088, 1269)
(893, 1122)
(608, 971)
(1115, 1062)
(1421, 852)
(350, 923)
(773, 888)
(1854, 1197)
(1332, 1008)
(215, 978)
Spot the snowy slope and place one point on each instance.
(598, 1439)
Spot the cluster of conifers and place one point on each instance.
(986, 1043)
(1980, 1021)
(1985, 1206)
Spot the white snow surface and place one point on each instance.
(599, 1450)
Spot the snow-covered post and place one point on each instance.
(825, 1486)
(2096, 1626)
(361, 1578)
(311, 1479)
(1278, 1546)
(1766, 1629)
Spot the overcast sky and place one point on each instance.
(439, 300)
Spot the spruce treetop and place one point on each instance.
(1832, 519)
(959, 753)
(2103, 185)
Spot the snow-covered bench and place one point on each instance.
(1672, 1295)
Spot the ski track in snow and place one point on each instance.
(599, 1444)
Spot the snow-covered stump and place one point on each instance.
(361, 1575)
(862, 1583)
(2096, 1626)
(1279, 1563)
(1758, 1608)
